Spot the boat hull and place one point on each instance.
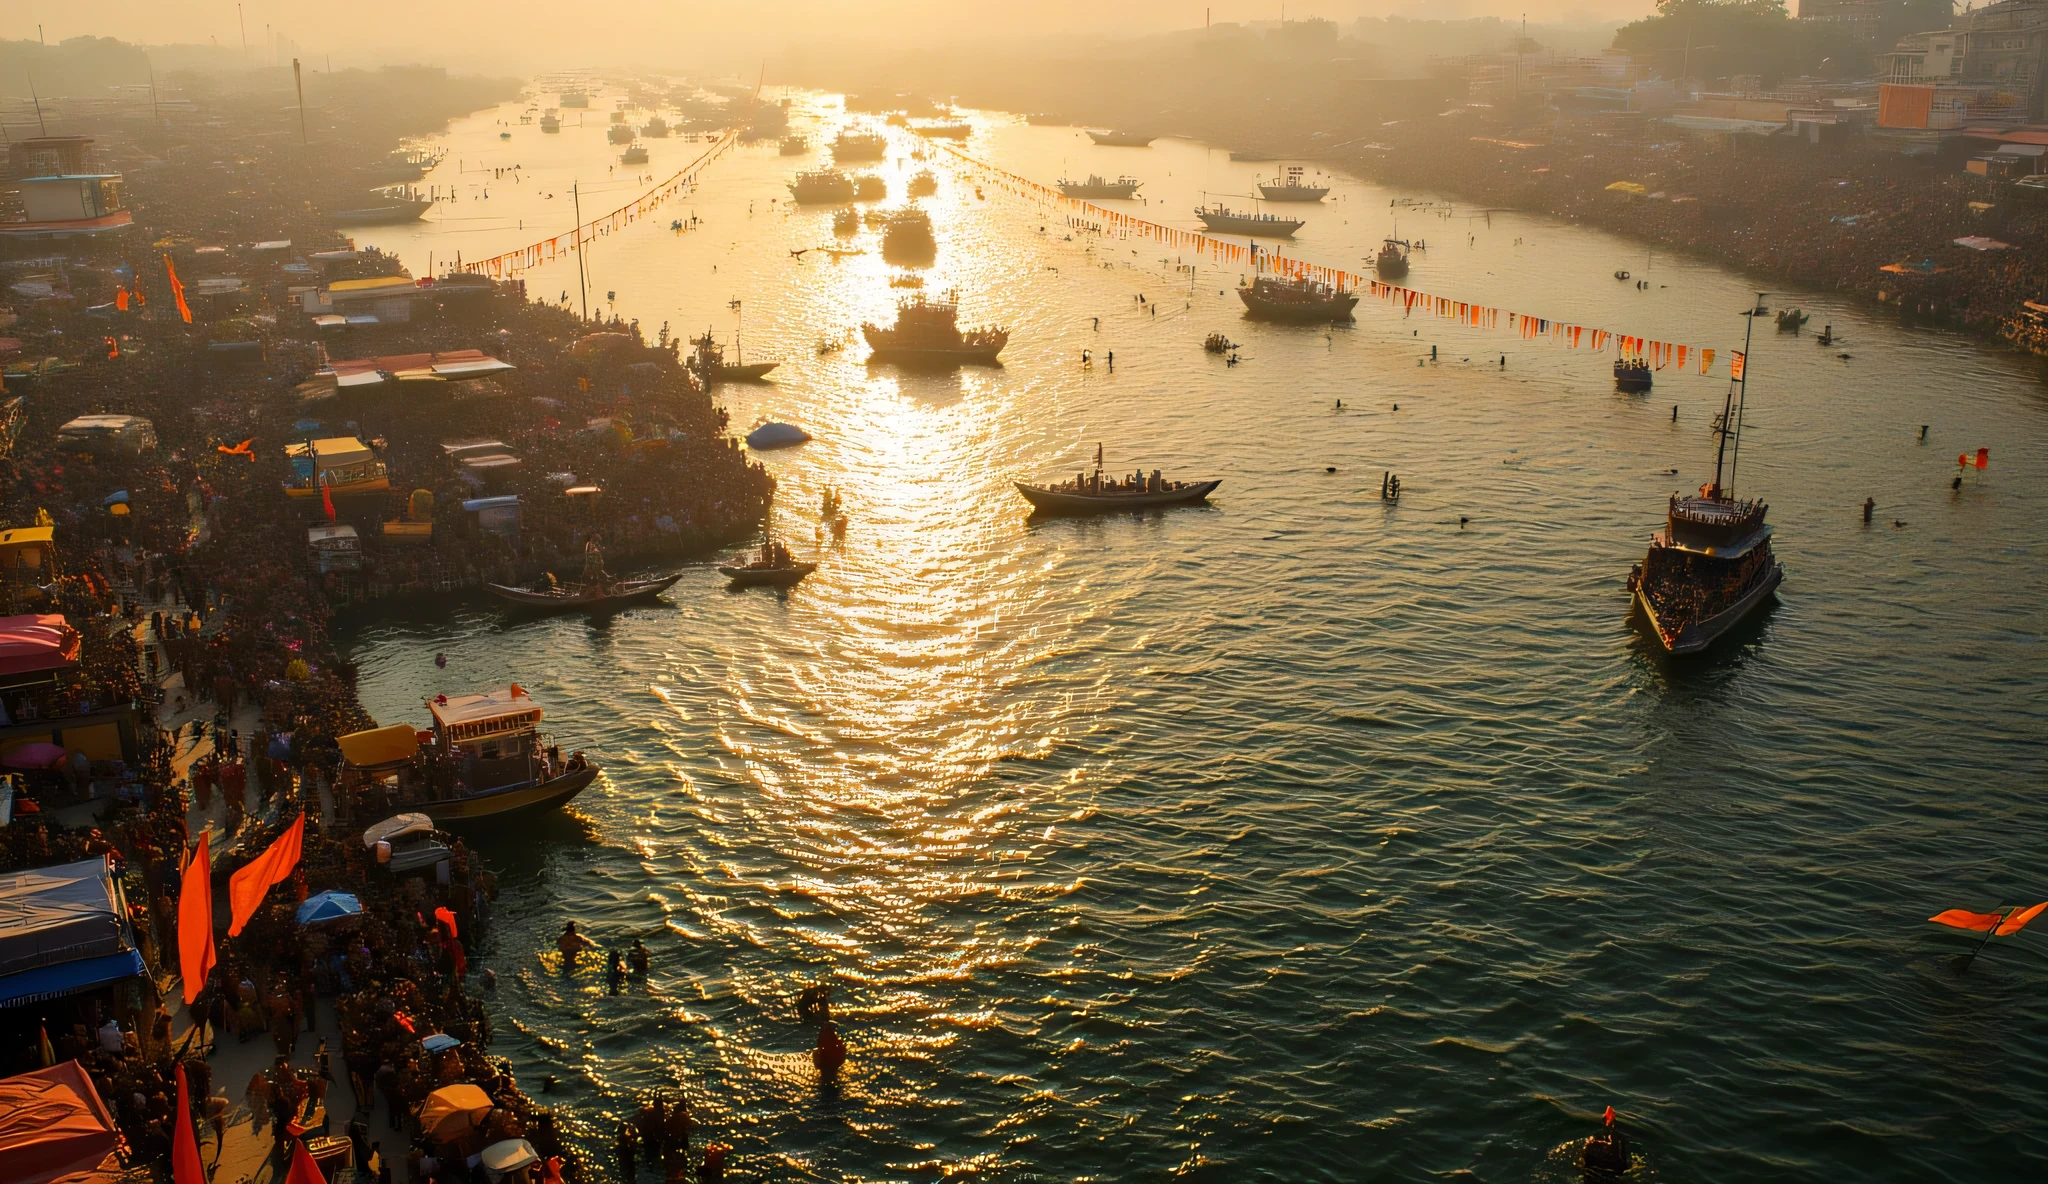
(1321, 312)
(1703, 633)
(1392, 269)
(1052, 501)
(1250, 227)
(635, 590)
(772, 577)
(510, 803)
(1100, 192)
(1120, 139)
(1632, 382)
(386, 215)
(975, 355)
(1293, 192)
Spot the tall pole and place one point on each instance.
(582, 287)
(244, 27)
(39, 105)
(1728, 403)
(299, 81)
(154, 114)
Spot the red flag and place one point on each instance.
(195, 922)
(185, 1165)
(447, 918)
(304, 1170)
(1964, 919)
(178, 290)
(326, 498)
(274, 866)
(121, 299)
(1610, 1116)
(2018, 918)
(1983, 458)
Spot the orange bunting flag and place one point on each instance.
(186, 1167)
(1964, 919)
(1982, 461)
(274, 866)
(195, 921)
(2017, 919)
(1735, 361)
(178, 290)
(121, 299)
(1682, 351)
(1706, 360)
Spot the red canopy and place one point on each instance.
(38, 641)
(54, 1129)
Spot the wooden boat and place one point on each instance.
(1051, 500)
(387, 214)
(767, 577)
(508, 803)
(1632, 375)
(583, 597)
(494, 742)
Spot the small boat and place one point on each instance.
(1092, 494)
(620, 134)
(707, 361)
(637, 154)
(1792, 320)
(793, 146)
(1116, 139)
(1299, 301)
(858, 146)
(1392, 261)
(585, 597)
(773, 567)
(504, 135)
(1217, 343)
(923, 184)
(550, 123)
(868, 187)
(655, 129)
(1631, 375)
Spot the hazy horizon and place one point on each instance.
(523, 37)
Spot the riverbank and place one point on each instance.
(183, 563)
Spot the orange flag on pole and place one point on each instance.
(195, 922)
(2017, 920)
(178, 290)
(185, 1164)
(1965, 919)
(274, 866)
(304, 1170)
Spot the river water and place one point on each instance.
(1301, 836)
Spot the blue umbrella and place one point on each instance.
(329, 906)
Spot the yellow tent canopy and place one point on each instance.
(1627, 187)
(453, 1111)
(380, 746)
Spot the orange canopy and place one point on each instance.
(55, 1130)
(453, 1110)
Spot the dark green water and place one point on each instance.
(1299, 837)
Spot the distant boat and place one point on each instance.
(1392, 261)
(923, 184)
(1294, 188)
(1305, 302)
(1632, 375)
(389, 213)
(655, 129)
(574, 98)
(549, 123)
(822, 187)
(858, 146)
(620, 133)
(1092, 494)
(637, 154)
(1100, 188)
(773, 567)
(1220, 220)
(944, 131)
(907, 238)
(794, 146)
(928, 331)
(1116, 139)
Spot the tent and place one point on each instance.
(54, 1129)
(63, 930)
(37, 642)
(329, 906)
(453, 1111)
(380, 746)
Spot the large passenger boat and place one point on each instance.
(1100, 188)
(1221, 220)
(859, 146)
(1392, 261)
(1293, 188)
(485, 760)
(828, 185)
(1306, 302)
(1712, 565)
(907, 238)
(928, 331)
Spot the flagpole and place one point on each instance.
(1988, 935)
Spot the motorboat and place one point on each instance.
(584, 597)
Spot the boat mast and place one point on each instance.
(1728, 403)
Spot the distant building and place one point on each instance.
(63, 196)
(2003, 46)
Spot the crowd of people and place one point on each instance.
(187, 572)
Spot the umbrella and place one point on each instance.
(440, 1042)
(329, 906)
(39, 755)
(509, 1156)
(453, 1111)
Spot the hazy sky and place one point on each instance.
(524, 35)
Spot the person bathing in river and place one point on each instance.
(637, 957)
(572, 943)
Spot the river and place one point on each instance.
(1303, 835)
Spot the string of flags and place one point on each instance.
(1268, 260)
(514, 263)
